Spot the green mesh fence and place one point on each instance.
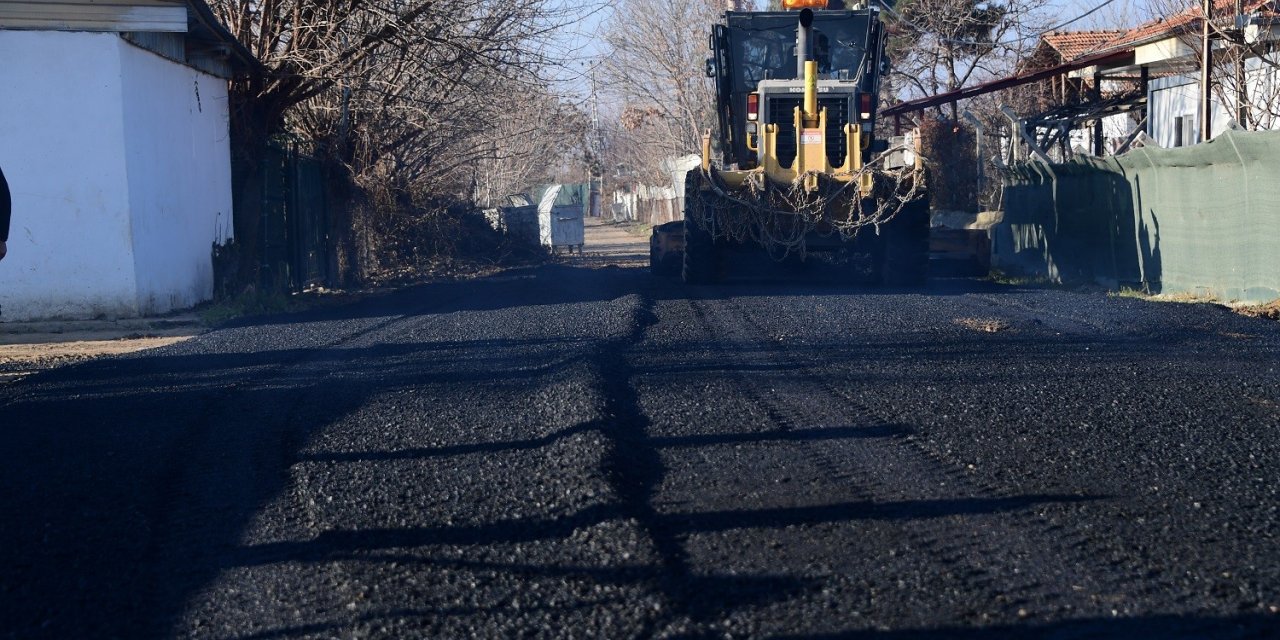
(1202, 220)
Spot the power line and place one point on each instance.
(1078, 18)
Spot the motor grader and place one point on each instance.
(797, 174)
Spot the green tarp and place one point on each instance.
(1202, 220)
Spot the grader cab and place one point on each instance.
(794, 171)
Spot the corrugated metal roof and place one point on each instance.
(204, 25)
(185, 31)
(94, 15)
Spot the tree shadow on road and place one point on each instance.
(128, 484)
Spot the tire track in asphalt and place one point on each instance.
(982, 559)
(850, 473)
(1077, 542)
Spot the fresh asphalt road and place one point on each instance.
(586, 450)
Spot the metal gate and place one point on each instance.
(295, 219)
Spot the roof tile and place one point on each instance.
(1073, 44)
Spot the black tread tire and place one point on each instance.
(699, 254)
(698, 265)
(905, 251)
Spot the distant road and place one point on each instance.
(586, 450)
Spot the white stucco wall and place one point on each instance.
(1115, 130)
(1179, 96)
(62, 147)
(120, 177)
(179, 166)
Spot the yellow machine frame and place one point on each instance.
(811, 147)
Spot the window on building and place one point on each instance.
(1184, 130)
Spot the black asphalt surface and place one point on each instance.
(578, 450)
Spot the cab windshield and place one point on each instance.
(769, 51)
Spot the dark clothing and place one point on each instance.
(6, 203)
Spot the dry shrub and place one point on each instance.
(949, 152)
(1268, 311)
(400, 240)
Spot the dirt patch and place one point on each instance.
(984, 325)
(1268, 311)
(27, 347)
(39, 352)
(610, 244)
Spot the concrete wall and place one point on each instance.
(179, 166)
(62, 146)
(1179, 97)
(120, 177)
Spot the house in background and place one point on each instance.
(1097, 92)
(1150, 79)
(1084, 111)
(1173, 44)
(114, 137)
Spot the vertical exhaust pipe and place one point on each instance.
(807, 67)
(803, 54)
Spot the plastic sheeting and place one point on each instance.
(566, 194)
(560, 219)
(1198, 220)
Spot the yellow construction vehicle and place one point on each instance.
(794, 171)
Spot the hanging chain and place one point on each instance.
(779, 217)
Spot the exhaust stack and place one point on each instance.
(803, 34)
(807, 67)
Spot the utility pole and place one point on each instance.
(1242, 94)
(1096, 92)
(1206, 75)
(595, 184)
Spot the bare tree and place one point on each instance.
(408, 97)
(1245, 74)
(655, 74)
(538, 137)
(941, 45)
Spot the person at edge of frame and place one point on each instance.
(6, 204)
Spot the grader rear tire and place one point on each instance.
(700, 257)
(699, 254)
(905, 250)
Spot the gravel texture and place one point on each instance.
(590, 451)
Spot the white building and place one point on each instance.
(114, 139)
(1169, 51)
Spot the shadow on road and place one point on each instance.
(490, 294)
(128, 484)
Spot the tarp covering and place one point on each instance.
(568, 194)
(560, 218)
(1202, 220)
